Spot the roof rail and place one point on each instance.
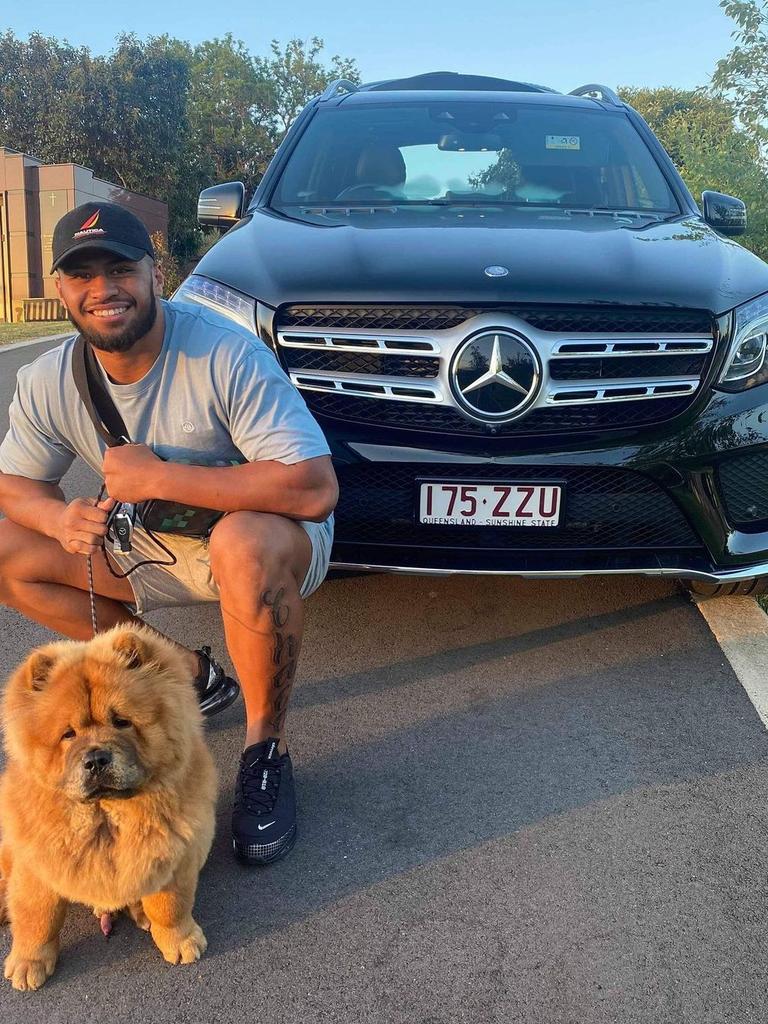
(598, 92)
(440, 81)
(337, 86)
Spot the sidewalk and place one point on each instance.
(6, 346)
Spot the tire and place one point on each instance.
(701, 591)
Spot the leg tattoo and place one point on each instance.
(284, 657)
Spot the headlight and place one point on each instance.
(227, 301)
(747, 366)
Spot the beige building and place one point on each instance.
(33, 196)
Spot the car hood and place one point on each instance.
(380, 257)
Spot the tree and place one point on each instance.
(296, 75)
(43, 90)
(142, 113)
(701, 133)
(503, 175)
(169, 266)
(678, 115)
(159, 115)
(742, 75)
(230, 108)
(124, 115)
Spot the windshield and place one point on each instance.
(457, 152)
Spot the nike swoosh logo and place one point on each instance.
(262, 827)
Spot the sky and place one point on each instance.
(559, 43)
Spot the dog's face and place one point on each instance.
(102, 720)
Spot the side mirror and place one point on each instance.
(221, 206)
(724, 213)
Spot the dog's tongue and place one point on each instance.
(105, 922)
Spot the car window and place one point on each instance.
(514, 153)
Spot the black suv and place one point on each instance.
(530, 351)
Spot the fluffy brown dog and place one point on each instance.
(107, 798)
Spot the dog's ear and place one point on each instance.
(134, 650)
(37, 670)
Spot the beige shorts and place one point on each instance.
(190, 581)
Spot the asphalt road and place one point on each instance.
(518, 802)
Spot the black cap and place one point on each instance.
(100, 226)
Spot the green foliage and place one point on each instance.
(742, 75)
(169, 266)
(505, 173)
(677, 115)
(159, 115)
(124, 116)
(700, 132)
(295, 74)
(230, 105)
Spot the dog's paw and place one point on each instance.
(26, 974)
(136, 912)
(180, 949)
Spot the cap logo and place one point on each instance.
(89, 226)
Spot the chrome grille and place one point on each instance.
(363, 362)
(591, 369)
(627, 366)
(438, 419)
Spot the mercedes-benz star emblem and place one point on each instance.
(496, 271)
(495, 375)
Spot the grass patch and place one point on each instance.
(27, 332)
(763, 602)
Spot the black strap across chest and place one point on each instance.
(95, 396)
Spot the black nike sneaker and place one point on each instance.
(215, 690)
(264, 816)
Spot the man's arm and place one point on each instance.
(31, 503)
(302, 490)
(79, 525)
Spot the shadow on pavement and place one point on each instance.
(431, 720)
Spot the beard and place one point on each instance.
(126, 339)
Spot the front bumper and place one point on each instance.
(688, 499)
(683, 572)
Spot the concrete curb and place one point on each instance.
(34, 341)
(740, 627)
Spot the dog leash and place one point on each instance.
(91, 595)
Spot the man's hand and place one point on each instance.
(129, 471)
(84, 525)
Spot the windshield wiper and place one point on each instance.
(392, 206)
(389, 204)
(346, 208)
(607, 211)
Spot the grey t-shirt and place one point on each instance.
(215, 395)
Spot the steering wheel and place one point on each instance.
(365, 191)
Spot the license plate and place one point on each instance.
(467, 504)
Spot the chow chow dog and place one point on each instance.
(107, 798)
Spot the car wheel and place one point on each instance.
(701, 591)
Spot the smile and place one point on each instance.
(105, 314)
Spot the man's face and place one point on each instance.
(109, 299)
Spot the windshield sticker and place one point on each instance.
(563, 142)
